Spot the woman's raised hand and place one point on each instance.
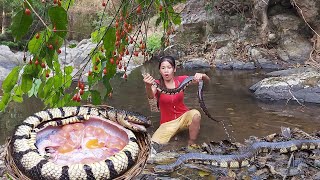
(148, 79)
(197, 77)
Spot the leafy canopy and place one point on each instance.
(43, 76)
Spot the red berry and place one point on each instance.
(27, 12)
(160, 8)
(37, 36)
(74, 98)
(125, 76)
(54, 1)
(105, 71)
(111, 61)
(139, 9)
(43, 65)
(104, 4)
(81, 91)
(36, 62)
(81, 86)
(129, 27)
(96, 68)
(47, 74)
(59, 51)
(54, 29)
(50, 46)
(78, 98)
(89, 73)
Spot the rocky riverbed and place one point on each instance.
(303, 164)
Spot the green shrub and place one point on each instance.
(18, 46)
(153, 43)
(73, 45)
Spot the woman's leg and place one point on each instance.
(194, 129)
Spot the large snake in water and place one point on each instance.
(238, 160)
(27, 158)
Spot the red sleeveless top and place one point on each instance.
(172, 106)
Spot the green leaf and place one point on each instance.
(17, 99)
(35, 44)
(106, 83)
(59, 19)
(67, 3)
(4, 101)
(96, 98)
(41, 91)
(68, 81)
(26, 83)
(57, 81)
(11, 80)
(68, 70)
(97, 35)
(55, 99)
(176, 20)
(158, 21)
(56, 66)
(36, 86)
(109, 41)
(48, 87)
(20, 24)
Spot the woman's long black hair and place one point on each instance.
(170, 60)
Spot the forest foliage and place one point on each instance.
(44, 77)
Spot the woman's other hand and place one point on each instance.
(200, 76)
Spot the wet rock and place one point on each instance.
(317, 163)
(267, 64)
(293, 172)
(303, 87)
(252, 169)
(291, 71)
(316, 176)
(196, 63)
(243, 65)
(293, 46)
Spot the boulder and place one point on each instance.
(295, 85)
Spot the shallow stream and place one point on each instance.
(226, 96)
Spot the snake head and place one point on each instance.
(131, 120)
(136, 121)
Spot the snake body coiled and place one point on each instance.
(238, 160)
(184, 84)
(27, 158)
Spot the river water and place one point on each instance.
(226, 96)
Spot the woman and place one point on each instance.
(175, 116)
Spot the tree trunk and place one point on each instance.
(5, 21)
(71, 22)
(260, 13)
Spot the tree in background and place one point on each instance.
(42, 75)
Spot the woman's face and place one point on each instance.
(167, 70)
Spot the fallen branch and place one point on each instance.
(288, 166)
